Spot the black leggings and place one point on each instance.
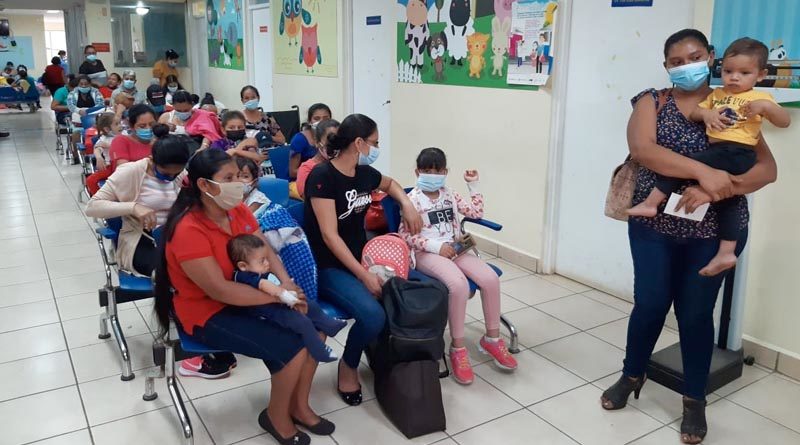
(735, 159)
(145, 257)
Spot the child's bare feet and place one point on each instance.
(720, 263)
(644, 210)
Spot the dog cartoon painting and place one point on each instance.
(437, 47)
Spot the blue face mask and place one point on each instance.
(163, 176)
(183, 115)
(128, 84)
(91, 57)
(429, 182)
(252, 104)
(144, 134)
(374, 152)
(84, 90)
(691, 76)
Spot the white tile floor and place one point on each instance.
(59, 384)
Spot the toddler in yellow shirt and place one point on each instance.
(733, 116)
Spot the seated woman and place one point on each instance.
(304, 144)
(182, 111)
(322, 132)
(84, 96)
(338, 194)
(139, 142)
(111, 85)
(212, 308)
(256, 119)
(142, 192)
(59, 103)
(208, 103)
(129, 86)
(172, 86)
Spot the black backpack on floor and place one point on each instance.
(405, 356)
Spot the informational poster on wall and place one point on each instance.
(306, 42)
(776, 23)
(466, 43)
(18, 50)
(225, 28)
(530, 50)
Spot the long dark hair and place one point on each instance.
(204, 164)
(353, 127)
(171, 149)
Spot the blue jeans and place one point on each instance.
(344, 290)
(665, 272)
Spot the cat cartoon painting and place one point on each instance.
(310, 53)
(476, 44)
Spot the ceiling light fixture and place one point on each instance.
(142, 9)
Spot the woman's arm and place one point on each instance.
(294, 165)
(72, 102)
(645, 150)
(99, 100)
(764, 172)
(410, 216)
(325, 212)
(106, 204)
(206, 274)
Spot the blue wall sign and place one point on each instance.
(623, 3)
(373, 20)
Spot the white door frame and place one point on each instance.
(248, 26)
(556, 145)
(347, 56)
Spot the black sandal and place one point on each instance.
(352, 398)
(298, 438)
(322, 428)
(694, 420)
(619, 392)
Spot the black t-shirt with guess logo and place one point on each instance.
(352, 197)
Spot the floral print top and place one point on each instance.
(679, 134)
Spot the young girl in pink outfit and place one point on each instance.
(438, 206)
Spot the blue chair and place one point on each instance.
(277, 190)
(279, 156)
(165, 355)
(130, 288)
(391, 211)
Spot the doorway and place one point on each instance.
(261, 72)
(374, 29)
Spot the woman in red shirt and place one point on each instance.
(139, 143)
(54, 77)
(211, 308)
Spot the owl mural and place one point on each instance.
(310, 53)
(291, 14)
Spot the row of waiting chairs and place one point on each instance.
(166, 353)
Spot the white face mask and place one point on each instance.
(231, 194)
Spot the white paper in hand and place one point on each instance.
(698, 214)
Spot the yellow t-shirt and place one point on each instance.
(744, 131)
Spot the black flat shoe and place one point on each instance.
(619, 392)
(352, 398)
(298, 438)
(323, 428)
(694, 420)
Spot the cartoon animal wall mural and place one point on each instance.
(306, 41)
(225, 39)
(460, 42)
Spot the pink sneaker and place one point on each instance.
(462, 370)
(198, 367)
(499, 352)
